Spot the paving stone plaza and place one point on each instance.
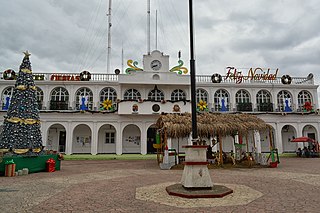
(139, 186)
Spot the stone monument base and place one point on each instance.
(217, 191)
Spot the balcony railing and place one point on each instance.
(244, 107)
(295, 80)
(58, 105)
(265, 107)
(114, 78)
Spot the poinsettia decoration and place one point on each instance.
(202, 106)
(307, 106)
(107, 105)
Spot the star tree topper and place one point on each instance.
(26, 53)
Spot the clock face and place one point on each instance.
(156, 65)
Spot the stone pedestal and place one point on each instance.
(196, 173)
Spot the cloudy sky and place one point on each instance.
(71, 35)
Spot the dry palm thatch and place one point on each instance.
(210, 124)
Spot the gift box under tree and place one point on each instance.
(50, 165)
(10, 168)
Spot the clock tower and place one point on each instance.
(156, 62)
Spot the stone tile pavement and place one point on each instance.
(139, 186)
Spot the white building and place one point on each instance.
(136, 98)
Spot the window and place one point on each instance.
(202, 95)
(264, 101)
(156, 95)
(59, 94)
(39, 96)
(178, 95)
(109, 93)
(303, 97)
(110, 137)
(242, 96)
(243, 101)
(283, 97)
(59, 99)
(221, 100)
(85, 95)
(131, 94)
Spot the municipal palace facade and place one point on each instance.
(116, 113)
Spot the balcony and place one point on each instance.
(96, 77)
(244, 107)
(58, 105)
(265, 107)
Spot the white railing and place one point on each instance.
(295, 80)
(70, 77)
(199, 78)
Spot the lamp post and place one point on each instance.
(192, 77)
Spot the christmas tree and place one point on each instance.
(21, 128)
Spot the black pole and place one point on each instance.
(192, 76)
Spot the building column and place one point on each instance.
(274, 100)
(169, 143)
(94, 139)
(278, 138)
(294, 101)
(299, 134)
(143, 141)
(96, 99)
(232, 101)
(299, 129)
(72, 99)
(254, 100)
(46, 98)
(257, 141)
(69, 138)
(118, 139)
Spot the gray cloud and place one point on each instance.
(71, 35)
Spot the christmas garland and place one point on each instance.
(23, 87)
(26, 71)
(16, 120)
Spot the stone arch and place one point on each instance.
(107, 137)
(131, 139)
(288, 132)
(82, 139)
(56, 137)
(151, 138)
(265, 139)
(310, 131)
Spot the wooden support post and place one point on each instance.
(220, 148)
(254, 141)
(270, 139)
(247, 142)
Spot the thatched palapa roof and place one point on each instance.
(210, 124)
